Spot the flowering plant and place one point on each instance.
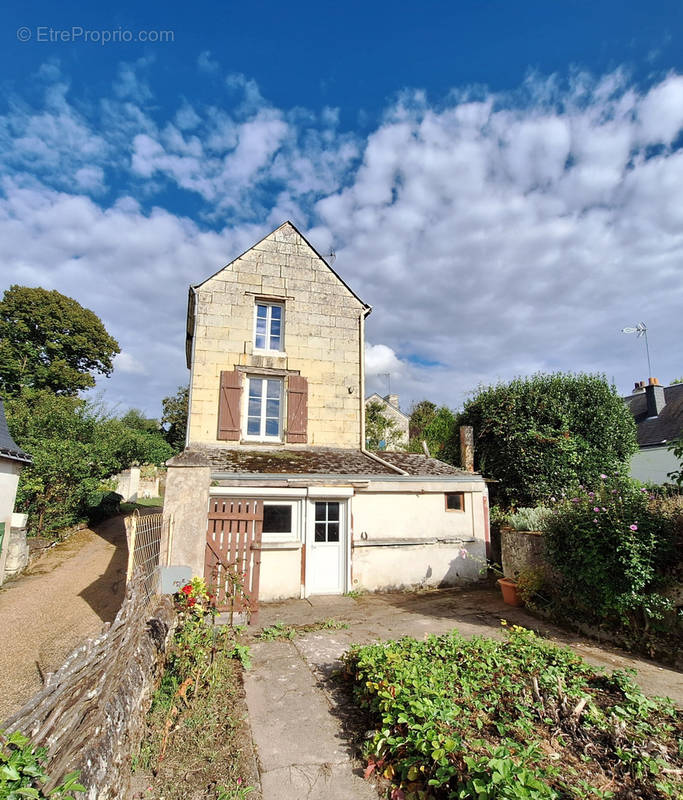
(611, 546)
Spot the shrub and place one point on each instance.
(538, 435)
(613, 548)
(528, 519)
(22, 771)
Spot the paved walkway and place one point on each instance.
(296, 717)
(64, 597)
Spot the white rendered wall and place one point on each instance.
(652, 464)
(452, 550)
(280, 574)
(9, 480)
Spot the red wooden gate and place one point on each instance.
(233, 551)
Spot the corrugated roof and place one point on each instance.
(667, 426)
(8, 447)
(317, 461)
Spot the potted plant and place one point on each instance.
(510, 591)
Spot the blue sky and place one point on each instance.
(502, 181)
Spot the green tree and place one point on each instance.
(437, 426)
(75, 446)
(381, 433)
(174, 418)
(421, 414)
(676, 447)
(49, 341)
(537, 436)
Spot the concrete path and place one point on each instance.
(63, 598)
(295, 711)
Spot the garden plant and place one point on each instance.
(520, 719)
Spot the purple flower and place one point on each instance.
(595, 521)
(591, 494)
(633, 527)
(643, 490)
(603, 476)
(575, 499)
(614, 491)
(603, 509)
(596, 509)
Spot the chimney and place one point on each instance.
(639, 387)
(467, 447)
(392, 399)
(654, 394)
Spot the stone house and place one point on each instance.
(274, 475)
(658, 414)
(392, 411)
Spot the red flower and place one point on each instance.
(191, 601)
(187, 589)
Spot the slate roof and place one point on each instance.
(665, 427)
(318, 461)
(8, 447)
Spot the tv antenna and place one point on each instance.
(640, 330)
(386, 375)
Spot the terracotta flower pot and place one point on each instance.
(510, 593)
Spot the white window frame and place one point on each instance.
(262, 436)
(269, 306)
(285, 536)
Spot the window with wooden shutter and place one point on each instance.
(229, 406)
(297, 409)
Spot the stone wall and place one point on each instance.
(91, 713)
(321, 336)
(521, 550)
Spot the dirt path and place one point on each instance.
(65, 596)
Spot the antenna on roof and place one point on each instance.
(641, 330)
(331, 257)
(386, 375)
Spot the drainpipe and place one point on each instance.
(373, 456)
(193, 300)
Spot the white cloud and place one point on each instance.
(128, 363)
(493, 235)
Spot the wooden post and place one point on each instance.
(467, 447)
(132, 532)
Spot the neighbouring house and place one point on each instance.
(392, 411)
(658, 413)
(274, 475)
(12, 459)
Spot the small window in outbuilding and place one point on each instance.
(455, 501)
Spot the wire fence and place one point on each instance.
(144, 533)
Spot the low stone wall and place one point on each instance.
(522, 550)
(91, 713)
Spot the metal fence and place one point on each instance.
(144, 533)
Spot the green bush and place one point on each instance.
(75, 446)
(613, 547)
(102, 504)
(528, 519)
(478, 719)
(537, 435)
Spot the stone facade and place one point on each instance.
(322, 336)
(391, 410)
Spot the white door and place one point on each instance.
(326, 547)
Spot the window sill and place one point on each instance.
(269, 353)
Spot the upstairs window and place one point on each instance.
(269, 327)
(264, 408)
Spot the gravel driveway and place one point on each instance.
(63, 598)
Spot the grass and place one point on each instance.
(143, 502)
(519, 719)
(281, 631)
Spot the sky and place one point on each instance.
(502, 182)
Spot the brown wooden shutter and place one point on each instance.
(297, 409)
(229, 406)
